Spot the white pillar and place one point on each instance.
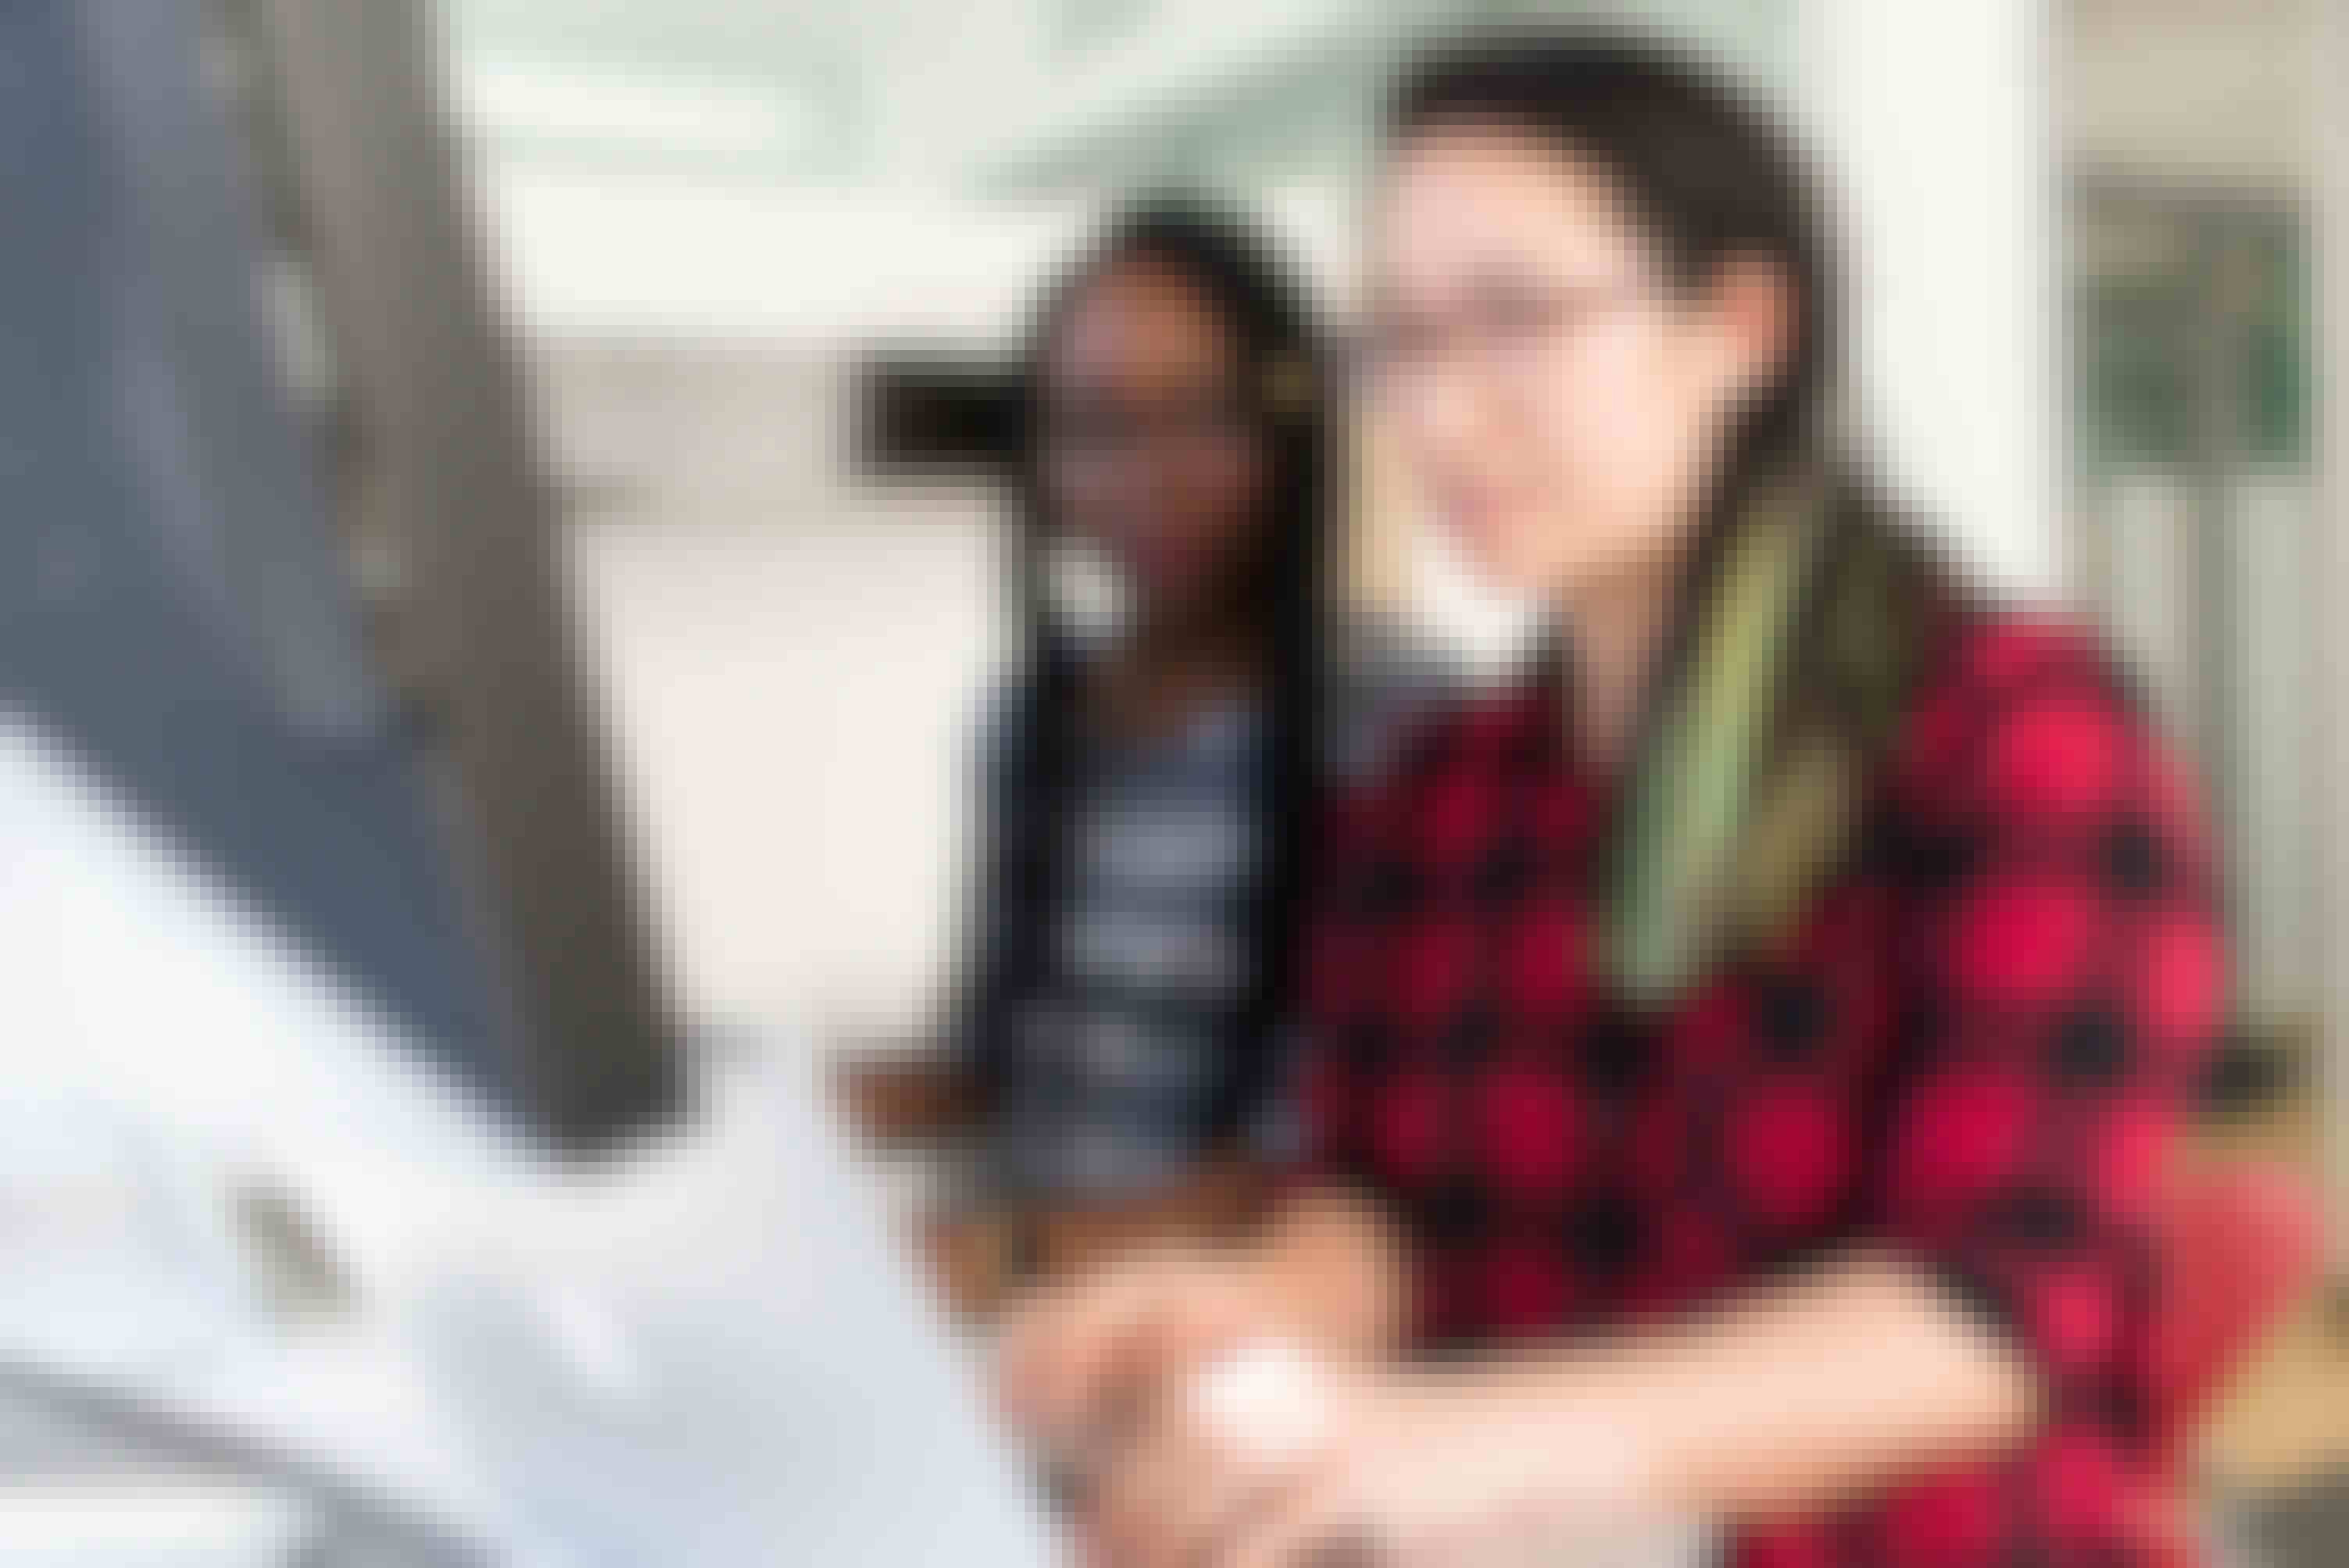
(2329, 188)
(1936, 121)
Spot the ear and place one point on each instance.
(1753, 300)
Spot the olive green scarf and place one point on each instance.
(1805, 619)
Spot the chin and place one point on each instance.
(1499, 558)
(1514, 573)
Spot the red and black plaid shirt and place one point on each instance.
(1975, 1051)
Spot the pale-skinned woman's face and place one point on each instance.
(1552, 399)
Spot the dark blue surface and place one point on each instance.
(132, 560)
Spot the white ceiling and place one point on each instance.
(1017, 96)
(828, 167)
(999, 97)
(883, 166)
(877, 92)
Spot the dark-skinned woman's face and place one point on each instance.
(1150, 453)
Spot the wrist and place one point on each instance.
(1332, 1268)
(1316, 1294)
(1577, 1441)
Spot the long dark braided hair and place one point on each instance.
(1284, 372)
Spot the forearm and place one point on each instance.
(1806, 1393)
(991, 1250)
(1214, 1204)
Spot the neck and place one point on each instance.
(1164, 671)
(1618, 628)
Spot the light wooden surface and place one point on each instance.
(2287, 1418)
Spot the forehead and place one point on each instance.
(1141, 324)
(1466, 199)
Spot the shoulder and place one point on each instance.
(2029, 717)
(1386, 682)
(1433, 787)
(997, 717)
(1444, 760)
(2051, 843)
(997, 730)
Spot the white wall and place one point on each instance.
(2328, 66)
(1935, 119)
(789, 665)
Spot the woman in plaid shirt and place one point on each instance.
(1743, 1054)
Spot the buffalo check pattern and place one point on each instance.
(1974, 1050)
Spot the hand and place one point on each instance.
(1073, 1358)
(965, 1256)
(898, 1099)
(1338, 1463)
